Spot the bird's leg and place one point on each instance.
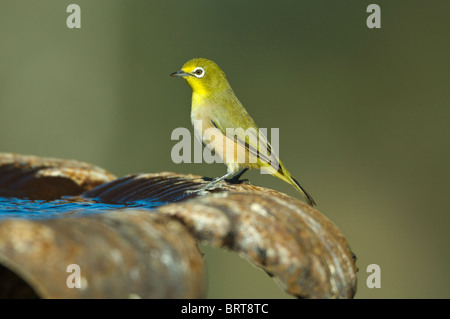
(210, 185)
(216, 180)
(236, 177)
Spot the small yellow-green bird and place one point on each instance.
(219, 110)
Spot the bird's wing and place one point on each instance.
(250, 137)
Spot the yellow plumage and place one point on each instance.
(217, 107)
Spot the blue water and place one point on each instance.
(71, 206)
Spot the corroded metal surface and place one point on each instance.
(121, 254)
(301, 248)
(165, 187)
(33, 177)
(159, 187)
(152, 253)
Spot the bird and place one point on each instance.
(216, 107)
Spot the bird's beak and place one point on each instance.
(180, 73)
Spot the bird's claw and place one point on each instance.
(216, 183)
(238, 181)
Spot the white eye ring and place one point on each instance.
(198, 72)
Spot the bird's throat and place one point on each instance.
(197, 100)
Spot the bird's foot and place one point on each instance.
(238, 181)
(191, 192)
(214, 184)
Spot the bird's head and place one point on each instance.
(203, 76)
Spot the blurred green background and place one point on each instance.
(363, 113)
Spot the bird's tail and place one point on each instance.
(283, 174)
(302, 191)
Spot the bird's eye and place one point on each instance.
(198, 72)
